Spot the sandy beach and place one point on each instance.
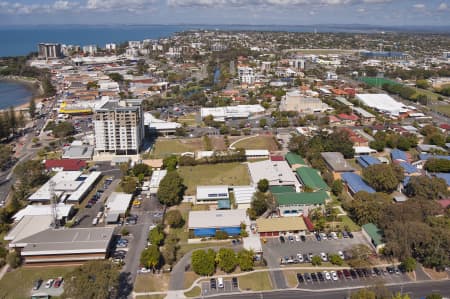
(29, 83)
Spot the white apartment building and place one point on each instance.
(296, 101)
(246, 75)
(110, 47)
(90, 49)
(119, 127)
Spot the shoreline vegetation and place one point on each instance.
(32, 84)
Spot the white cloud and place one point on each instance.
(129, 5)
(241, 3)
(26, 9)
(443, 6)
(419, 6)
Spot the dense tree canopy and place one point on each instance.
(426, 187)
(437, 165)
(263, 185)
(141, 168)
(383, 177)
(150, 257)
(226, 259)
(171, 189)
(174, 218)
(96, 280)
(203, 262)
(245, 259)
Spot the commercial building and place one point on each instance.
(62, 212)
(294, 160)
(65, 165)
(365, 117)
(274, 227)
(278, 173)
(336, 163)
(374, 235)
(382, 103)
(212, 194)
(119, 127)
(207, 223)
(231, 112)
(78, 150)
(116, 206)
(158, 126)
(296, 204)
(310, 178)
(27, 226)
(243, 196)
(246, 75)
(49, 50)
(156, 179)
(67, 246)
(296, 101)
(66, 186)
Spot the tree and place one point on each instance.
(32, 108)
(13, 259)
(383, 177)
(63, 129)
(337, 187)
(262, 122)
(245, 259)
(174, 218)
(363, 294)
(263, 185)
(359, 256)
(422, 83)
(259, 203)
(316, 260)
(128, 184)
(94, 279)
(203, 262)
(437, 165)
(169, 251)
(400, 296)
(426, 187)
(336, 260)
(171, 189)
(226, 259)
(170, 163)
(150, 257)
(156, 235)
(116, 77)
(409, 264)
(434, 296)
(141, 168)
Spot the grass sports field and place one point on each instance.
(257, 142)
(166, 147)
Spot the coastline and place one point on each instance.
(28, 83)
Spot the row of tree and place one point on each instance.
(204, 262)
(10, 122)
(392, 139)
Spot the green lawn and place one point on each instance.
(18, 283)
(188, 119)
(445, 109)
(235, 174)
(258, 281)
(151, 283)
(189, 278)
(291, 278)
(167, 147)
(257, 142)
(349, 222)
(195, 292)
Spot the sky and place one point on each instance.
(254, 12)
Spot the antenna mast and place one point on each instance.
(53, 204)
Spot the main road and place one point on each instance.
(415, 290)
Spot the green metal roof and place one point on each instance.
(281, 189)
(311, 178)
(293, 159)
(223, 204)
(303, 198)
(374, 233)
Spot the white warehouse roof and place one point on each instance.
(278, 173)
(62, 211)
(212, 192)
(157, 176)
(382, 102)
(217, 218)
(118, 202)
(239, 111)
(243, 194)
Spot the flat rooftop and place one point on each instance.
(337, 162)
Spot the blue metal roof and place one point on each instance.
(366, 161)
(442, 175)
(397, 154)
(408, 168)
(356, 183)
(406, 181)
(424, 157)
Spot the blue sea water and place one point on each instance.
(13, 94)
(21, 40)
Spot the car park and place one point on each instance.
(37, 284)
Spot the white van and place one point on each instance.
(95, 221)
(220, 282)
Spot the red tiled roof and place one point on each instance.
(308, 223)
(444, 202)
(348, 116)
(276, 158)
(66, 164)
(445, 127)
(333, 119)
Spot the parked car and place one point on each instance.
(58, 282)
(334, 275)
(346, 273)
(327, 275)
(49, 283)
(313, 277)
(291, 238)
(212, 283)
(282, 240)
(297, 238)
(323, 256)
(303, 238)
(344, 234)
(220, 282)
(37, 284)
(234, 282)
(320, 276)
(300, 278)
(300, 257)
(340, 274)
(350, 234)
(341, 255)
(307, 277)
(318, 238)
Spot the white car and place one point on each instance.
(327, 275)
(49, 283)
(300, 257)
(334, 236)
(341, 255)
(323, 236)
(334, 275)
(297, 238)
(323, 256)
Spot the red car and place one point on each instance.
(58, 282)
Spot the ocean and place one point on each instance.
(13, 94)
(21, 40)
